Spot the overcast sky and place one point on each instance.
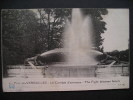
(117, 34)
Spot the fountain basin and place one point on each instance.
(56, 71)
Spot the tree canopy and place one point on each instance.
(18, 34)
(53, 20)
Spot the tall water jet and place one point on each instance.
(77, 40)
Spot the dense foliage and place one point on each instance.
(121, 55)
(19, 30)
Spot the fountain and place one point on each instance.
(77, 58)
(78, 49)
(77, 40)
(80, 56)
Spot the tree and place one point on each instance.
(18, 35)
(53, 20)
(121, 55)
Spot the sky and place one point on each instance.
(117, 35)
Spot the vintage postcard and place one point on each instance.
(65, 49)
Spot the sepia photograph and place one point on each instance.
(65, 49)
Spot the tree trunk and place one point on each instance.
(49, 39)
